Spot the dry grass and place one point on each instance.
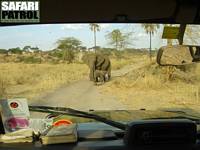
(119, 63)
(154, 87)
(32, 79)
(129, 59)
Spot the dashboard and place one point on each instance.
(98, 136)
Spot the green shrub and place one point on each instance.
(57, 54)
(31, 60)
(3, 51)
(16, 50)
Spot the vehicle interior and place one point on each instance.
(121, 129)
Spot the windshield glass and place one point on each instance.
(96, 67)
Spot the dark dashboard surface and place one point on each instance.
(93, 145)
(101, 143)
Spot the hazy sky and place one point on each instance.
(45, 36)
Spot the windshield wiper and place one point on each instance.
(76, 113)
(119, 125)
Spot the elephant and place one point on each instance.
(100, 76)
(100, 67)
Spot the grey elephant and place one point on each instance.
(100, 67)
(100, 77)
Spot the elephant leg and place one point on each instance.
(92, 66)
(91, 75)
(109, 72)
(106, 77)
(100, 76)
(106, 66)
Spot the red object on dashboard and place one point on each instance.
(14, 105)
(62, 122)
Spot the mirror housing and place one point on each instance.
(178, 55)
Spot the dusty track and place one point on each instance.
(84, 95)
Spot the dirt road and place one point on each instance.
(84, 95)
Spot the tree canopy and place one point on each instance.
(150, 28)
(94, 27)
(68, 45)
(118, 39)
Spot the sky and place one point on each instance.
(45, 36)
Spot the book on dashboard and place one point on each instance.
(14, 114)
(60, 134)
(19, 136)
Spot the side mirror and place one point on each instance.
(177, 55)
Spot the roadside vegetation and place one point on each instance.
(30, 71)
(152, 87)
(29, 80)
(31, 74)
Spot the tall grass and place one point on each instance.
(29, 80)
(157, 85)
(127, 60)
(3, 87)
(18, 78)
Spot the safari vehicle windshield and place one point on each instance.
(98, 66)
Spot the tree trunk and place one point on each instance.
(116, 46)
(64, 54)
(95, 40)
(150, 47)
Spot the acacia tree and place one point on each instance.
(126, 40)
(68, 46)
(150, 29)
(26, 48)
(118, 39)
(94, 27)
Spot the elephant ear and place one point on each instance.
(106, 65)
(100, 59)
